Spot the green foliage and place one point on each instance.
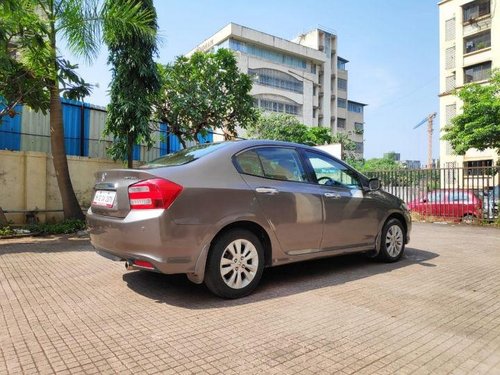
(20, 30)
(479, 124)
(285, 127)
(6, 231)
(348, 146)
(63, 227)
(135, 85)
(386, 163)
(203, 92)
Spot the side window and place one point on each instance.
(460, 197)
(331, 173)
(434, 196)
(272, 162)
(249, 163)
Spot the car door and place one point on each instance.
(292, 206)
(351, 215)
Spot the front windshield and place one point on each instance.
(185, 156)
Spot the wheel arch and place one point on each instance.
(199, 274)
(393, 215)
(256, 229)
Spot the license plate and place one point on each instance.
(104, 198)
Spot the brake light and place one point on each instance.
(154, 193)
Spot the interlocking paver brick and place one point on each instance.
(64, 309)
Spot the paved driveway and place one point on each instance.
(65, 309)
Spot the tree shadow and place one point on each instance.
(276, 282)
(45, 244)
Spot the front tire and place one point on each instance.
(392, 241)
(235, 264)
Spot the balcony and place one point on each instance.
(476, 10)
(477, 42)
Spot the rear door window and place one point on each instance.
(277, 163)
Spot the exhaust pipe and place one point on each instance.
(128, 266)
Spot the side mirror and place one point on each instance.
(374, 184)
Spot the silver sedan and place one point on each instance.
(220, 213)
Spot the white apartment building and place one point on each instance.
(469, 47)
(304, 77)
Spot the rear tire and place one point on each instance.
(235, 264)
(392, 241)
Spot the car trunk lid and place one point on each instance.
(110, 196)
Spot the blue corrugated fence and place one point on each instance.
(80, 120)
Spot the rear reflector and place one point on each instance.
(154, 193)
(143, 264)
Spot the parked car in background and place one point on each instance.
(457, 204)
(222, 212)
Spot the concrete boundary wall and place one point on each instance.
(28, 182)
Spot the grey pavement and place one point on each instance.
(64, 309)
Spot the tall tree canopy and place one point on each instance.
(202, 92)
(285, 127)
(42, 24)
(133, 88)
(478, 126)
(20, 82)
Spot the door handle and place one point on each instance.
(266, 190)
(332, 195)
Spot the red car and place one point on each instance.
(452, 203)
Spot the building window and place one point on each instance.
(476, 9)
(451, 111)
(274, 103)
(358, 128)
(479, 72)
(341, 123)
(359, 147)
(264, 53)
(275, 78)
(450, 82)
(342, 84)
(477, 167)
(449, 29)
(341, 103)
(450, 58)
(477, 42)
(341, 64)
(355, 107)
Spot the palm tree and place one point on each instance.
(82, 25)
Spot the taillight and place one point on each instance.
(154, 193)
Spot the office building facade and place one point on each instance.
(304, 77)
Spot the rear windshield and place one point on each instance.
(185, 156)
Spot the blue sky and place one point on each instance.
(391, 45)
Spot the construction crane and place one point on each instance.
(429, 119)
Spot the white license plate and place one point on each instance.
(104, 198)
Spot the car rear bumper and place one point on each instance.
(147, 235)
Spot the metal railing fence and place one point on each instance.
(468, 193)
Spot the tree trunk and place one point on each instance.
(181, 139)
(130, 150)
(71, 207)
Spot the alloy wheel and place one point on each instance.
(239, 263)
(394, 240)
